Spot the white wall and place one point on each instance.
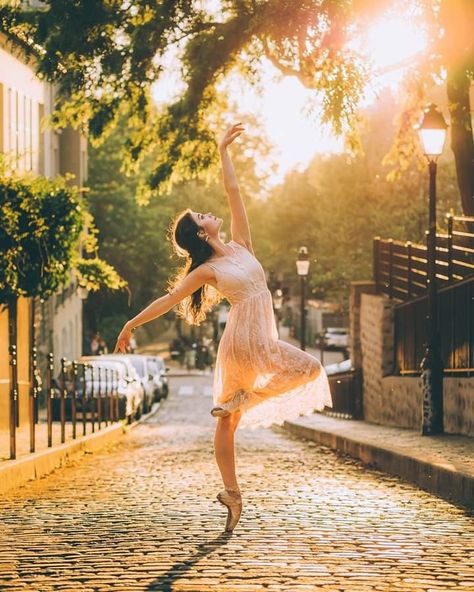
(24, 100)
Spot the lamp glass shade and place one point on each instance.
(302, 266)
(432, 131)
(302, 263)
(432, 141)
(277, 299)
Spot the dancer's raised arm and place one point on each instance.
(239, 225)
(192, 282)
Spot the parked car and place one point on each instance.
(129, 388)
(161, 377)
(144, 366)
(336, 338)
(340, 367)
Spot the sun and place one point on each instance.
(391, 43)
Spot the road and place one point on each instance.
(143, 516)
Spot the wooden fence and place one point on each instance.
(401, 268)
(400, 272)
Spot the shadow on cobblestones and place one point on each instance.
(178, 570)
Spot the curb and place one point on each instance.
(18, 472)
(450, 484)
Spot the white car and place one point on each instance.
(336, 338)
(145, 369)
(129, 387)
(160, 372)
(339, 367)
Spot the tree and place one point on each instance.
(105, 56)
(42, 235)
(339, 203)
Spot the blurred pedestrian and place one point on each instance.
(95, 344)
(102, 349)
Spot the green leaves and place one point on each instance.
(42, 227)
(95, 273)
(105, 57)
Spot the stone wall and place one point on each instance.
(355, 296)
(376, 340)
(397, 400)
(459, 405)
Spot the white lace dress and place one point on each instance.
(280, 380)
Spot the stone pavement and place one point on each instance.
(142, 516)
(443, 464)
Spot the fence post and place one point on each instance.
(73, 400)
(99, 397)
(33, 397)
(13, 399)
(49, 397)
(390, 268)
(116, 385)
(106, 398)
(409, 264)
(84, 398)
(62, 401)
(376, 260)
(450, 248)
(32, 376)
(91, 366)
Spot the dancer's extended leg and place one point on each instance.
(224, 448)
(293, 367)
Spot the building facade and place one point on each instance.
(27, 147)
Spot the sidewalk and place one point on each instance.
(29, 466)
(442, 464)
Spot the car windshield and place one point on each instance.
(337, 331)
(139, 365)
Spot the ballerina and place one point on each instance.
(259, 380)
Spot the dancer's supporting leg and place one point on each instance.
(224, 448)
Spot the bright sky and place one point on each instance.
(391, 43)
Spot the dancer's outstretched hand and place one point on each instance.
(123, 340)
(231, 133)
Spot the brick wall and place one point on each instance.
(397, 400)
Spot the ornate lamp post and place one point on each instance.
(277, 304)
(302, 269)
(432, 131)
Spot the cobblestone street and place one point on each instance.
(143, 516)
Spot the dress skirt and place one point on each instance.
(281, 382)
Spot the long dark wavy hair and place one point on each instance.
(186, 243)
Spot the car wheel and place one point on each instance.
(122, 404)
(139, 411)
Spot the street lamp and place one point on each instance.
(277, 304)
(432, 131)
(302, 269)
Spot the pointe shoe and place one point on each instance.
(234, 404)
(232, 499)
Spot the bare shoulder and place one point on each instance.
(205, 271)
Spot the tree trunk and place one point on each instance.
(462, 142)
